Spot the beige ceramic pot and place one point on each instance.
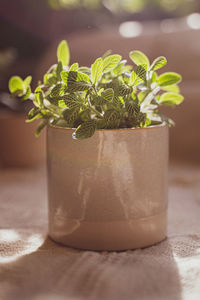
(108, 192)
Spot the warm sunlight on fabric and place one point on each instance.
(130, 29)
(19, 247)
(8, 236)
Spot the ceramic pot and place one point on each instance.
(18, 145)
(108, 192)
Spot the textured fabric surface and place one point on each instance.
(33, 267)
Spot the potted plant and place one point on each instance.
(107, 146)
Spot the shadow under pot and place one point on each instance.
(108, 192)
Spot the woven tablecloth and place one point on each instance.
(32, 267)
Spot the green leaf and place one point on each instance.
(108, 94)
(142, 95)
(85, 130)
(16, 84)
(139, 58)
(74, 67)
(138, 75)
(97, 70)
(70, 115)
(76, 81)
(171, 99)
(57, 90)
(27, 82)
(169, 78)
(59, 70)
(71, 101)
(40, 127)
(85, 70)
(124, 90)
(38, 100)
(33, 114)
(171, 88)
(112, 118)
(73, 76)
(120, 67)
(63, 53)
(154, 77)
(158, 63)
(27, 95)
(110, 62)
(50, 79)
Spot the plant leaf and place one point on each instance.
(158, 63)
(63, 53)
(70, 115)
(27, 82)
(139, 58)
(112, 118)
(73, 76)
(85, 130)
(169, 78)
(171, 88)
(71, 101)
(171, 99)
(74, 67)
(40, 127)
(76, 81)
(97, 70)
(138, 75)
(108, 94)
(57, 90)
(110, 62)
(16, 84)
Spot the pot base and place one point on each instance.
(109, 236)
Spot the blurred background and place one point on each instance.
(31, 29)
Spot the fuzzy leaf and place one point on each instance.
(97, 70)
(63, 53)
(85, 130)
(171, 99)
(158, 63)
(168, 78)
(110, 62)
(139, 58)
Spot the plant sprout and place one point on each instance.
(110, 94)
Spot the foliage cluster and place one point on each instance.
(110, 94)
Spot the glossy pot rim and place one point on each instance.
(162, 125)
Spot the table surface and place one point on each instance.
(32, 267)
